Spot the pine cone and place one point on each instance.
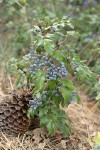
(13, 114)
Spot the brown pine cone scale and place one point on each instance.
(13, 114)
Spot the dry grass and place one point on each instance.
(85, 119)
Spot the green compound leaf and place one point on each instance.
(59, 56)
(48, 46)
(66, 93)
(52, 84)
(54, 118)
(68, 83)
(30, 113)
(51, 127)
(44, 120)
(43, 111)
(40, 81)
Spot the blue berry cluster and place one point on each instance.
(74, 66)
(73, 97)
(56, 93)
(53, 71)
(34, 103)
(44, 94)
(50, 94)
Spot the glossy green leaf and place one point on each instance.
(43, 111)
(51, 127)
(48, 46)
(68, 83)
(66, 93)
(40, 82)
(59, 56)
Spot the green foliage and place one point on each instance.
(55, 52)
(16, 24)
(97, 141)
(96, 147)
(54, 118)
(40, 24)
(96, 90)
